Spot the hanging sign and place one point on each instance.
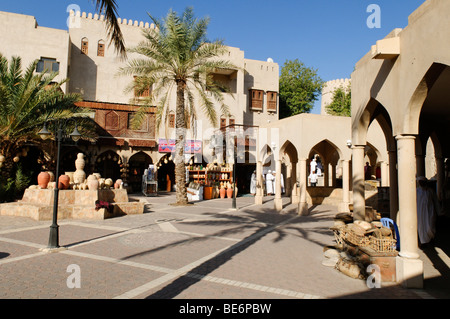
(190, 147)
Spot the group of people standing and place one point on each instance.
(269, 180)
(315, 170)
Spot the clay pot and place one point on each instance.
(64, 182)
(70, 174)
(222, 192)
(92, 182)
(43, 179)
(229, 192)
(118, 183)
(79, 176)
(108, 183)
(52, 176)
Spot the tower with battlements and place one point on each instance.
(328, 90)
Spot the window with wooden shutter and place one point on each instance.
(101, 48)
(272, 101)
(172, 120)
(143, 125)
(256, 100)
(223, 122)
(84, 46)
(140, 90)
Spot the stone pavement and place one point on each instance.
(202, 251)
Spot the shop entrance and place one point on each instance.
(137, 165)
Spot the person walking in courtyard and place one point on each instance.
(253, 184)
(426, 211)
(312, 165)
(313, 178)
(269, 183)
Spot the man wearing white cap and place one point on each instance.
(269, 183)
(281, 181)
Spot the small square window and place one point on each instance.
(142, 128)
(172, 120)
(84, 46)
(47, 65)
(101, 48)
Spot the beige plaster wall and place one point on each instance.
(304, 131)
(97, 80)
(394, 82)
(22, 36)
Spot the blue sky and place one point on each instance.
(327, 35)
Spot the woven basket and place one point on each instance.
(383, 245)
(339, 236)
(358, 240)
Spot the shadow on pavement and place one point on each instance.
(3, 255)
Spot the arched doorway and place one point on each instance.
(166, 173)
(327, 155)
(107, 164)
(289, 160)
(433, 146)
(137, 164)
(68, 158)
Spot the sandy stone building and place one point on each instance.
(82, 55)
(402, 84)
(22, 41)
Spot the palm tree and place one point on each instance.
(177, 56)
(27, 101)
(109, 8)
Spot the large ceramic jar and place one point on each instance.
(43, 179)
(222, 192)
(229, 192)
(64, 182)
(118, 183)
(79, 176)
(92, 182)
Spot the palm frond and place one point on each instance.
(109, 8)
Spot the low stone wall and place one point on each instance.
(72, 204)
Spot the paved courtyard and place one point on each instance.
(203, 251)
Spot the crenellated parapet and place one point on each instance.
(129, 22)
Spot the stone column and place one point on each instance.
(278, 202)
(393, 185)
(295, 199)
(384, 174)
(303, 180)
(345, 187)
(409, 266)
(330, 175)
(288, 181)
(259, 184)
(359, 201)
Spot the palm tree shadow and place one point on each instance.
(196, 274)
(3, 255)
(184, 282)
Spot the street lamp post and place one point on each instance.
(233, 205)
(53, 241)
